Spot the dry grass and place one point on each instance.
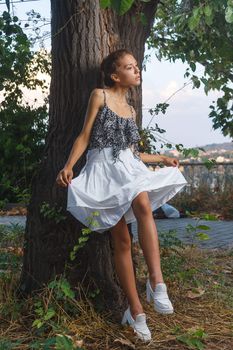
(218, 202)
(200, 286)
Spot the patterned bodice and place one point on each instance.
(111, 130)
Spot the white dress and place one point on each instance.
(110, 188)
(114, 175)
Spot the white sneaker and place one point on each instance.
(162, 304)
(139, 325)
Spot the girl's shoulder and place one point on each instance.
(97, 97)
(98, 93)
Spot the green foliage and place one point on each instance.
(3, 203)
(120, 6)
(209, 163)
(193, 338)
(64, 343)
(9, 345)
(22, 126)
(61, 288)
(218, 200)
(43, 314)
(209, 217)
(169, 239)
(160, 107)
(190, 152)
(9, 262)
(11, 241)
(11, 235)
(52, 213)
(150, 140)
(200, 32)
(195, 232)
(123, 6)
(60, 342)
(85, 234)
(22, 134)
(93, 293)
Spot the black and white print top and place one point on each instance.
(111, 130)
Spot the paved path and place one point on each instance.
(220, 233)
(8, 220)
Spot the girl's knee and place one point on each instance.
(122, 245)
(121, 238)
(142, 207)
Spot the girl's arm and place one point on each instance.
(81, 142)
(157, 158)
(95, 102)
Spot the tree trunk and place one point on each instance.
(82, 34)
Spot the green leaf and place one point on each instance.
(37, 323)
(229, 14)
(206, 88)
(86, 231)
(63, 343)
(105, 3)
(208, 11)
(83, 239)
(197, 11)
(209, 20)
(209, 217)
(196, 81)
(210, 163)
(123, 6)
(193, 66)
(72, 256)
(203, 227)
(194, 19)
(193, 22)
(65, 287)
(49, 314)
(203, 236)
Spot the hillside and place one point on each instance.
(227, 146)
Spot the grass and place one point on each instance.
(199, 283)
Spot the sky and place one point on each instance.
(186, 120)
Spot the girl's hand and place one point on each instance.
(64, 177)
(168, 161)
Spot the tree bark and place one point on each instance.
(82, 35)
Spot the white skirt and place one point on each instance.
(103, 191)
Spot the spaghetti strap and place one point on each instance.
(104, 97)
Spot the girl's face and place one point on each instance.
(127, 72)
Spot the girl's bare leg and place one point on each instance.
(148, 237)
(124, 265)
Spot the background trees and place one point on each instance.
(23, 126)
(200, 32)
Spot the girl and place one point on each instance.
(116, 183)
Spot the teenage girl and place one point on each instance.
(116, 183)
